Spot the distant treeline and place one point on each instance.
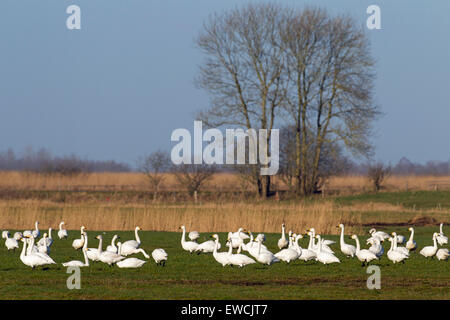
(407, 167)
(43, 161)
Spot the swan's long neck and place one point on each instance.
(440, 228)
(283, 236)
(31, 245)
(395, 242)
(113, 241)
(357, 244)
(216, 244)
(310, 245)
(411, 237)
(60, 225)
(230, 249)
(183, 235)
(434, 242)
(119, 248)
(392, 245)
(259, 248)
(290, 241)
(342, 236)
(100, 244)
(36, 226)
(50, 233)
(138, 240)
(24, 248)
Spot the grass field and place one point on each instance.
(194, 276)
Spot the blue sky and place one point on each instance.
(118, 87)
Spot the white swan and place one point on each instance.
(113, 248)
(403, 250)
(131, 246)
(109, 258)
(309, 253)
(442, 254)
(289, 254)
(265, 257)
(79, 243)
(46, 241)
(376, 246)
(411, 244)
(380, 234)
(363, 255)
(441, 238)
(347, 249)
(241, 233)
(207, 247)
(76, 263)
(92, 253)
(193, 235)
(187, 245)
(160, 256)
(131, 263)
(10, 243)
(238, 238)
(31, 260)
(35, 251)
(282, 242)
(35, 233)
(220, 257)
(325, 257)
(393, 255)
(62, 233)
(238, 259)
(42, 245)
(430, 251)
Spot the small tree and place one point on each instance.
(377, 173)
(153, 167)
(193, 176)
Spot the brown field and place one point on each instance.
(220, 182)
(20, 207)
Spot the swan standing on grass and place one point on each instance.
(62, 233)
(160, 256)
(430, 251)
(132, 246)
(347, 249)
(363, 255)
(206, 247)
(109, 258)
(112, 248)
(10, 243)
(289, 254)
(411, 244)
(325, 257)
(238, 237)
(265, 257)
(187, 245)
(282, 242)
(76, 263)
(376, 246)
(31, 260)
(308, 254)
(220, 257)
(79, 243)
(238, 259)
(35, 251)
(43, 245)
(403, 250)
(47, 240)
(442, 254)
(92, 253)
(131, 263)
(393, 255)
(441, 238)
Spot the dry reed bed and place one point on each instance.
(204, 218)
(221, 181)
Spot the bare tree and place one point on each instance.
(243, 70)
(193, 176)
(329, 98)
(377, 173)
(153, 167)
